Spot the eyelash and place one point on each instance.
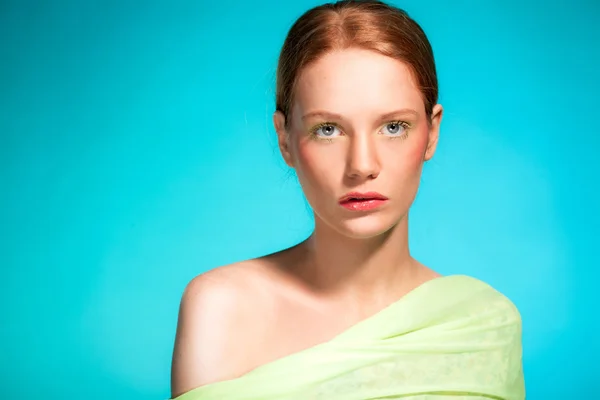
(313, 131)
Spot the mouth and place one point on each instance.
(361, 197)
(362, 201)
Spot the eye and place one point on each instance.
(326, 131)
(396, 128)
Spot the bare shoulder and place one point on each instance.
(217, 318)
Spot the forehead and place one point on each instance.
(356, 82)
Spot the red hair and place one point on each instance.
(367, 24)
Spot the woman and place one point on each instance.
(348, 313)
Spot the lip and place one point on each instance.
(356, 196)
(356, 201)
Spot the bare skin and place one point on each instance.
(238, 317)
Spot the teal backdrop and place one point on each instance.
(138, 151)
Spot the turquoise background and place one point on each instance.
(138, 151)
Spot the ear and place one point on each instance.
(434, 131)
(282, 137)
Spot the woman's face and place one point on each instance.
(358, 124)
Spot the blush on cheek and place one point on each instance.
(313, 160)
(414, 156)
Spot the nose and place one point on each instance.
(362, 159)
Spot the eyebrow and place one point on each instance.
(386, 116)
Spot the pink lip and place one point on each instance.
(356, 201)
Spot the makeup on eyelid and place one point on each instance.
(405, 126)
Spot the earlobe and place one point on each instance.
(434, 131)
(282, 137)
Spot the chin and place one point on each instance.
(365, 227)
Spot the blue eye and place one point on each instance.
(394, 128)
(326, 131)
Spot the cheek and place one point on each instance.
(407, 158)
(314, 163)
(416, 152)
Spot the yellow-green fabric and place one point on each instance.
(454, 337)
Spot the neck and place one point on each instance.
(340, 266)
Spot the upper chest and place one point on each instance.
(282, 326)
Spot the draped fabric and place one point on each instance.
(453, 337)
